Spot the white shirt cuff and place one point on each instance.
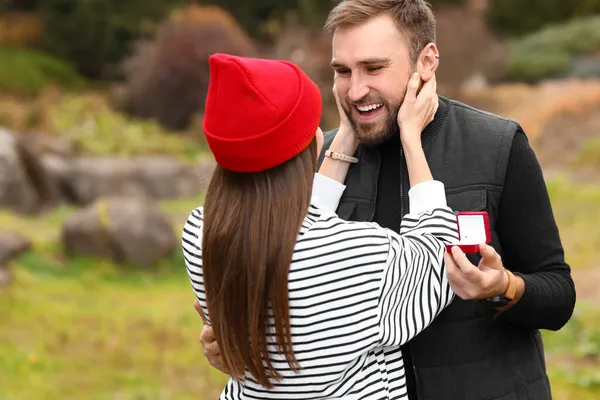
(326, 192)
(427, 196)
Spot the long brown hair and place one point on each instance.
(251, 222)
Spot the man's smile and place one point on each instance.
(367, 112)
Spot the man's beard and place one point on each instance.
(371, 135)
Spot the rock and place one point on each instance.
(25, 186)
(60, 146)
(16, 193)
(36, 176)
(158, 178)
(131, 230)
(11, 245)
(59, 170)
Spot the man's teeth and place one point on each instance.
(369, 107)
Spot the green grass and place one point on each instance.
(573, 355)
(27, 72)
(87, 329)
(590, 154)
(577, 212)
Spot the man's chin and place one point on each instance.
(372, 135)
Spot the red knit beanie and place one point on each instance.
(259, 113)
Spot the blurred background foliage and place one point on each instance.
(128, 78)
(151, 54)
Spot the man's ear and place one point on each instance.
(428, 62)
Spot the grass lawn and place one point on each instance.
(87, 329)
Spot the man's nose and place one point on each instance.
(358, 89)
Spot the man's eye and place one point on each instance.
(374, 69)
(343, 71)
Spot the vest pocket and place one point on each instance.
(467, 199)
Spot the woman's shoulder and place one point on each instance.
(192, 229)
(196, 217)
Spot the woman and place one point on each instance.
(303, 304)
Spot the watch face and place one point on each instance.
(498, 301)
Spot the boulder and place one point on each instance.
(25, 186)
(37, 173)
(83, 180)
(11, 245)
(127, 230)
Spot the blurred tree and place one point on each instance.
(583, 8)
(167, 78)
(94, 33)
(253, 15)
(517, 17)
(17, 5)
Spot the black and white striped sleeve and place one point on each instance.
(234, 390)
(191, 241)
(415, 287)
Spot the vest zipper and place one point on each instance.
(417, 388)
(374, 202)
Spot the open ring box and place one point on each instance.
(473, 230)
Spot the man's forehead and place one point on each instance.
(355, 56)
(360, 46)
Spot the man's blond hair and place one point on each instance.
(414, 19)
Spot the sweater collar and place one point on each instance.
(439, 119)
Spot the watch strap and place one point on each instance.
(503, 301)
(511, 289)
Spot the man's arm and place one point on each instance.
(531, 243)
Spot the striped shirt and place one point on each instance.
(357, 292)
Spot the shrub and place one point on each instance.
(94, 128)
(11, 5)
(28, 72)
(168, 78)
(95, 33)
(550, 52)
(517, 17)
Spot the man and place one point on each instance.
(487, 344)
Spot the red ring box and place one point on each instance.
(473, 230)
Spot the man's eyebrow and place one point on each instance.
(371, 61)
(366, 62)
(336, 64)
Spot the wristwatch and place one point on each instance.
(505, 298)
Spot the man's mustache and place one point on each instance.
(367, 100)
